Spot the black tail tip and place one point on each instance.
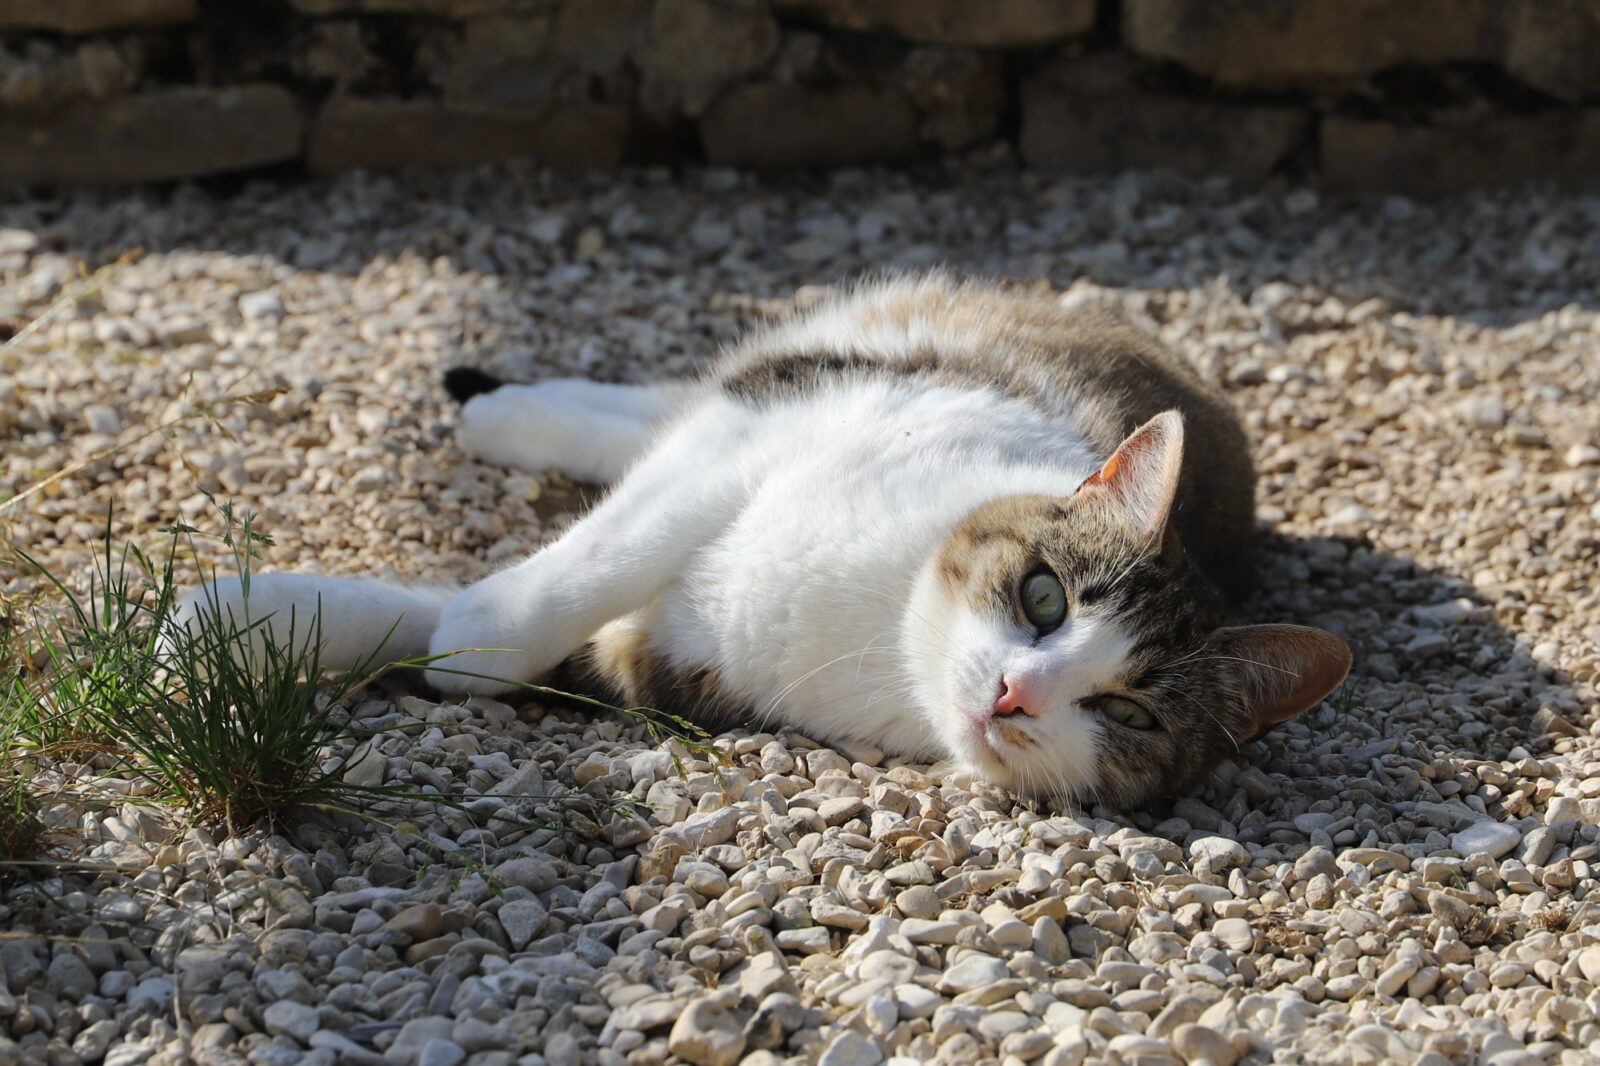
(465, 382)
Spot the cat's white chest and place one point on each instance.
(797, 604)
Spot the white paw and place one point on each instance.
(509, 427)
(482, 642)
(528, 427)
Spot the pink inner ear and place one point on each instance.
(1142, 474)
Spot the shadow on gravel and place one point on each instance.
(1438, 686)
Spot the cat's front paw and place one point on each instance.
(486, 653)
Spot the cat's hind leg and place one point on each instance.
(358, 622)
(587, 430)
(523, 622)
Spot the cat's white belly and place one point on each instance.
(798, 604)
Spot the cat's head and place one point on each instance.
(1066, 646)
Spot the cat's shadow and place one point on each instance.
(1439, 686)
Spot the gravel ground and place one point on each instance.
(1410, 874)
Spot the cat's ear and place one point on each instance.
(1282, 671)
(1142, 474)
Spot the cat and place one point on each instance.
(941, 518)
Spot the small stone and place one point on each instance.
(536, 875)
(1507, 974)
(1313, 821)
(260, 305)
(916, 1001)
(294, 1020)
(996, 1025)
(1491, 838)
(1589, 963)
(366, 768)
(1219, 853)
(1319, 892)
(1358, 922)
(1425, 644)
(841, 809)
(1552, 724)
(973, 971)
(70, 976)
(522, 919)
(1315, 860)
(649, 1013)
(425, 921)
(475, 1034)
(886, 965)
(1234, 933)
(777, 1016)
(762, 975)
(918, 901)
(155, 991)
(90, 1045)
(1196, 1043)
(1537, 847)
(915, 872)
(929, 931)
(1011, 935)
(814, 940)
(1441, 615)
(102, 418)
(1346, 987)
(438, 1052)
(1582, 455)
(850, 1048)
(702, 830)
(1050, 943)
(1448, 908)
(1394, 977)
(837, 915)
(1486, 411)
(707, 1033)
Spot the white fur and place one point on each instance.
(353, 616)
(587, 430)
(785, 547)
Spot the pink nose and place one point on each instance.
(1011, 700)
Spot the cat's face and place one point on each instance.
(1066, 647)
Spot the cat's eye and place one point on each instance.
(1124, 712)
(1044, 601)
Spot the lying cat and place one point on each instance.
(938, 518)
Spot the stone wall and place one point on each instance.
(1419, 96)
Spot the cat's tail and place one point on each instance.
(465, 382)
(360, 623)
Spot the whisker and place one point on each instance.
(809, 674)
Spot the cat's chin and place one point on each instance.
(991, 759)
(1016, 768)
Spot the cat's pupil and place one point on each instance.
(1044, 601)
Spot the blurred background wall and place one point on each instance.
(1419, 96)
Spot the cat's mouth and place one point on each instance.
(996, 736)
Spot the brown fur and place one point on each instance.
(1111, 376)
(620, 666)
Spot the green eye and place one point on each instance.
(1124, 712)
(1044, 601)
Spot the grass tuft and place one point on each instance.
(230, 718)
(236, 720)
